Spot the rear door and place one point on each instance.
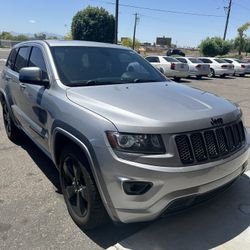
(18, 61)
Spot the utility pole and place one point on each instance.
(116, 20)
(136, 20)
(228, 14)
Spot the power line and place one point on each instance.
(164, 10)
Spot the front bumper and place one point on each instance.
(169, 183)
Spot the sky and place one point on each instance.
(55, 16)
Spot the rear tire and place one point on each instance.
(222, 76)
(12, 131)
(199, 77)
(212, 73)
(242, 75)
(79, 190)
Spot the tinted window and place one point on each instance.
(170, 59)
(183, 60)
(195, 60)
(11, 59)
(37, 60)
(219, 61)
(79, 66)
(22, 58)
(152, 59)
(227, 60)
(205, 60)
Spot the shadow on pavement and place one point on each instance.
(41, 160)
(204, 227)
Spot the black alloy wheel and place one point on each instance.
(79, 189)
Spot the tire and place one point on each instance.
(212, 73)
(79, 190)
(11, 129)
(199, 77)
(242, 75)
(222, 76)
(177, 79)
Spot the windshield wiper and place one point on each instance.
(145, 80)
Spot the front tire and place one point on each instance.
(242, 75)
(79, 190)
(177, 79)
(199, 77)
(11, 129)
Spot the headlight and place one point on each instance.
(136, 143)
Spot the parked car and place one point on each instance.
(240, 68)
(218, 67)
(128, 142)
(196, 66)
(172, 52)
(169, 66)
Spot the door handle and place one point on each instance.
(22, 86)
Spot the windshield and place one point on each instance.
(220, 61)
(170, 59)
(195, 60)
(79, 66)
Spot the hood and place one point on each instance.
(164, 107)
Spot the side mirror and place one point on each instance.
(32, 75)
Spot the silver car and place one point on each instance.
(128, 143)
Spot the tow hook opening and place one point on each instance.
(136, 187)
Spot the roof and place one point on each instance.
(53, 43)
(76, 43)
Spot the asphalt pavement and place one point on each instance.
(33, 214)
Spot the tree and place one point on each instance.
(215, 46)
(68, 36)
(6, 35)
(241, 36)
(128, 42)
(93, 24)
(247, 46)
(40, 36)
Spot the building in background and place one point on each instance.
(163, 41)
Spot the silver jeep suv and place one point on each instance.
(128, 143)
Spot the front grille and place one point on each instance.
(210, 144)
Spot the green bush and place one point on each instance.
(215, 46)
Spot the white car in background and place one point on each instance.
(218, 67)
(240, 68)
(169, 66)
(196, 67)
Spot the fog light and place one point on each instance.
(136, 187)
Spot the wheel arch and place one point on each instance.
(65, 133)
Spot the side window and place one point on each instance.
(206, 60)
(153, 59)
(37, 60)
(182, 60)
(22, 58)
(11, 59)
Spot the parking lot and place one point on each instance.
(33, 214)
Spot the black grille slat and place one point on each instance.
(230, 138)
(210, 144)
(184, 148)
(241, 131)
(221, 139)
(236, 135)
(198, 147)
